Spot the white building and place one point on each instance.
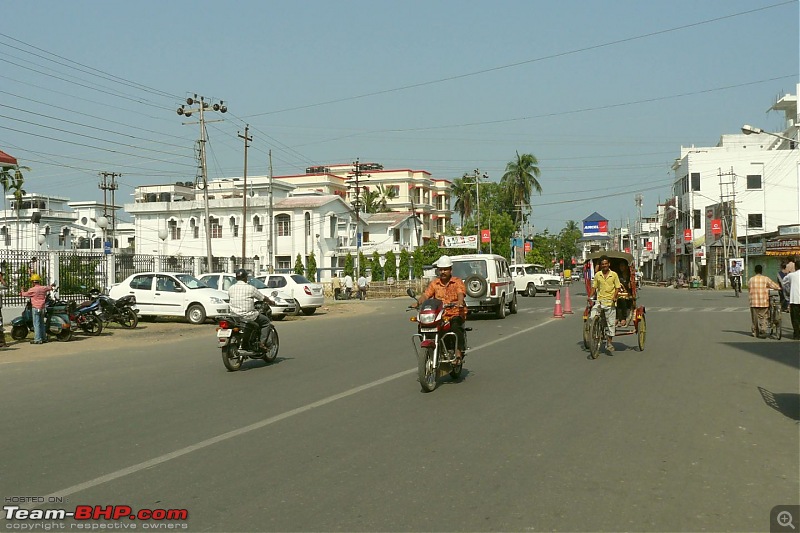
(757, 175)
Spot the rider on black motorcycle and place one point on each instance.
(242, 304)
(450, 290)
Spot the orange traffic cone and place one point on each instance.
(557, 313)
(567, 303)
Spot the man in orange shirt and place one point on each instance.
(450, 290)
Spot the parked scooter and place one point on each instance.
(120, 311)
(239, 340)
(436, 353)
(57, 321)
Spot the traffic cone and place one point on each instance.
(557, 313)
(567, 303)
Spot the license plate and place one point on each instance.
(224, 333)
(427, 330)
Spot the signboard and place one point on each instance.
(528, 246)
(458, 241)
(787, 247)
(649, 246)
(597, 228)
(627, 250)
(720, 217)
(107, 247)
(716, 226)
(687, 235)
(486, 235)
(793, 229)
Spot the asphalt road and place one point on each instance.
(699, 432)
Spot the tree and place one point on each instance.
(377, 200)
(390, 267)
(418, 263)
(13, 183)
(404, 267)
(362, 264)
(311, 268)
(376, 268)
(349, 265)
(521, 180)
(464, 193)
(298, 265)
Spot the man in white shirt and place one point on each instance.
(793, 280)
(348, 286)
(243, 296)
(362, 287)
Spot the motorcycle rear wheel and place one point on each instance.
(426, 371)
(231, 358)
(64, 335)
(19, 332)
(92, 325)
(128, 318)
(273, 344)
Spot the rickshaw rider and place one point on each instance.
(606, 285)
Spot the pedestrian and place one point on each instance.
(38, 296)
(793, 280)
(782, 273)
(362, 287)
(3, 287)
(348, 286)
(758, 288)
(336, 285)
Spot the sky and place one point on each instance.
(603, 93)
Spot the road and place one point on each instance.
(699, 432)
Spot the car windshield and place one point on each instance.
(191, 281)
(465, 269)
(299, 279)
(257, 283)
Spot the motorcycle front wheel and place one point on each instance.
(19, 332)
(426, 370)
(128, 318)
(273, 344)
(231, 358)
(92, 325)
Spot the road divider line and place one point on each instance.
(257, 425)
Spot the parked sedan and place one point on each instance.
(284, 304)
(172, 294)
(309, 296)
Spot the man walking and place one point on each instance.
(758, 288)
(362, 287)
(793, 281)
(38, 296)
(348, 286)
(336, 285)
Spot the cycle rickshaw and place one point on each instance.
(632, 314)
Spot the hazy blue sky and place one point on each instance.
(604, 93)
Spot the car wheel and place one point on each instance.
(309, 310)
(196, 314)
(476, 286)
(530, 290)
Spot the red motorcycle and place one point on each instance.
(435, 343)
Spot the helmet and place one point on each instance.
(36, 277)
(444, 262)
(241, 274)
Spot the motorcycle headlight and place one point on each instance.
(427, 317)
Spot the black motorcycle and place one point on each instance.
(83, 316)
(120, 311)
(239, 340)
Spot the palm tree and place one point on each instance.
(15, 185)
(464, 193)
(385, 194)
(370, 200)
(521, 180)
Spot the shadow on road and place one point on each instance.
(781, 351)
(787, 404)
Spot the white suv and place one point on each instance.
(489, 284)
(531, 279)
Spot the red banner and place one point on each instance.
(486, 235)
(687, 235)
(627, 250)
(649, 246)
(527, 246)
(716, 226)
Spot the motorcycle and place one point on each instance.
(436, 354)
(239, 339)
(120, 311)
(56, 323)
(83, 316)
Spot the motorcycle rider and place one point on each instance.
(242, 304)
(450, 290)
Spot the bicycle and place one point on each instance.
(775, 314)
(598, 327)
(736, 282)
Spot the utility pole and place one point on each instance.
(271, 233)
(112, 186)
(244, 195)
(727, 189)
(201, 108)
(638, 232)
(357, 206)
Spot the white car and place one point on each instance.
(531, 278)
(308, 295)
(284, 304)
(173, 294)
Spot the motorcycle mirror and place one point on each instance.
(411, 292)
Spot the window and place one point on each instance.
(754, 182)
(696, 219)
(257, 225)
(215, 228)
(211, 281)
(142, 283)
(365, 237)
(283, 261)
(194, 228)
(283, 222)
(396, 238)
(7, 237)
(695, 181)
(755, 220)
(166, 284)
(308, 224)
(174, 230)
(234, 226)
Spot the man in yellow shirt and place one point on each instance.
(606, 285)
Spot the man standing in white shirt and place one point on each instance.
(793, 281)
(348, 286)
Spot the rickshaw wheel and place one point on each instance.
(597, 334)
(641, 332)
(587, 332)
